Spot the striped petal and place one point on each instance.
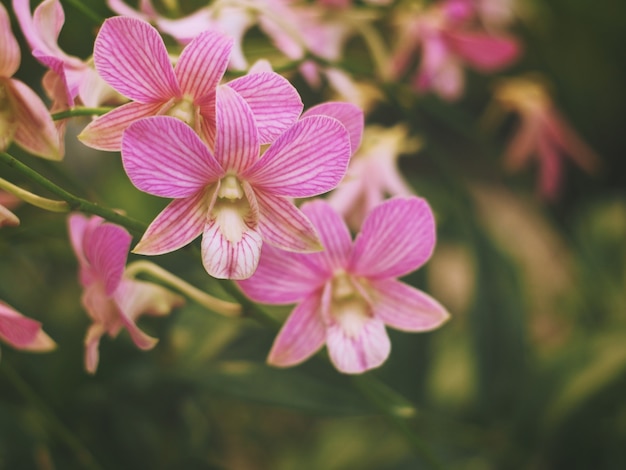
(106, 249)
(202, 64)
(9, 48)
(274, 101)
(226, 259)
(237, 142)
(105, 132)
(397, 237)
(131, 57)
(354, 354)
(302, 335)
(309, 159)
(349, 115)
(283, 225)
(176, 226)
(404, 307)
(163, 156)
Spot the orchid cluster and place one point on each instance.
(211, 125)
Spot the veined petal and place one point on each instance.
(176, 226)
(397, 237)
(106, 249)
(349, 115)
(483, 51)
(274, 101)
(130, 56)
(283, 277)
(164, 156)
(309, 159)
(226, 259)
(237, 140)
(15, 329)
(35, 129)
(283, 225)
(105, 132)
(202, 64)
(404, 307)
(333, 233)
(356, 354)
(302, 335)
(9, 48)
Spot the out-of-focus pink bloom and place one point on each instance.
(373, 174)
(112, 300)
(543, 132)
(74, 78)
(495, 14)
(349, 292)
(22, 332)
(448, 42)
(230, 195)
(24, 118)
(8, 201)
(131, 56)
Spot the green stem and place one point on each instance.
(80, 111)
(87, 11)
(33, 199)
(214, 304)
(55, 425)
(75, 203)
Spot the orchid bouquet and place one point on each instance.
(233, 168)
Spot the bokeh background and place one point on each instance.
(530, 372)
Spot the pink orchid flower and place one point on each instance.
(131, 56)
(349, 292)
(24, 118)
(543, 132)
(373, 174)
(71, 76)
(447, 44)
(8, 201)
(22, 332)
(230, 195)
(112, 300)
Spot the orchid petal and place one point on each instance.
(146, 11)
(274, 102)
(225, 259)
(42, 28)
(92, 345)
(105, 132)
(357, 354)
(35, 129)
(176, 164)
(202, 64)
(8, 218)
(15, 329)
(550, 167)
(522, 144)
(333, 233)
(302, 335)
(283, 225)
(9, 48)
(237, 141)
(130, 56)
(404, 307)
(483, 51)
(397, 237)
(349, 115)
(106, 249)
(176, 226)
(309, 159)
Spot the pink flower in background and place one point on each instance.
(73, 78)
(373, 174)
(22, 332)
(112, 301)
(349, 292)
(230, 195)
(131, 56)
(448, 42)
(8, 201)
(543, 133)
(24, 118)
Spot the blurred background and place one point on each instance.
(530, 372)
